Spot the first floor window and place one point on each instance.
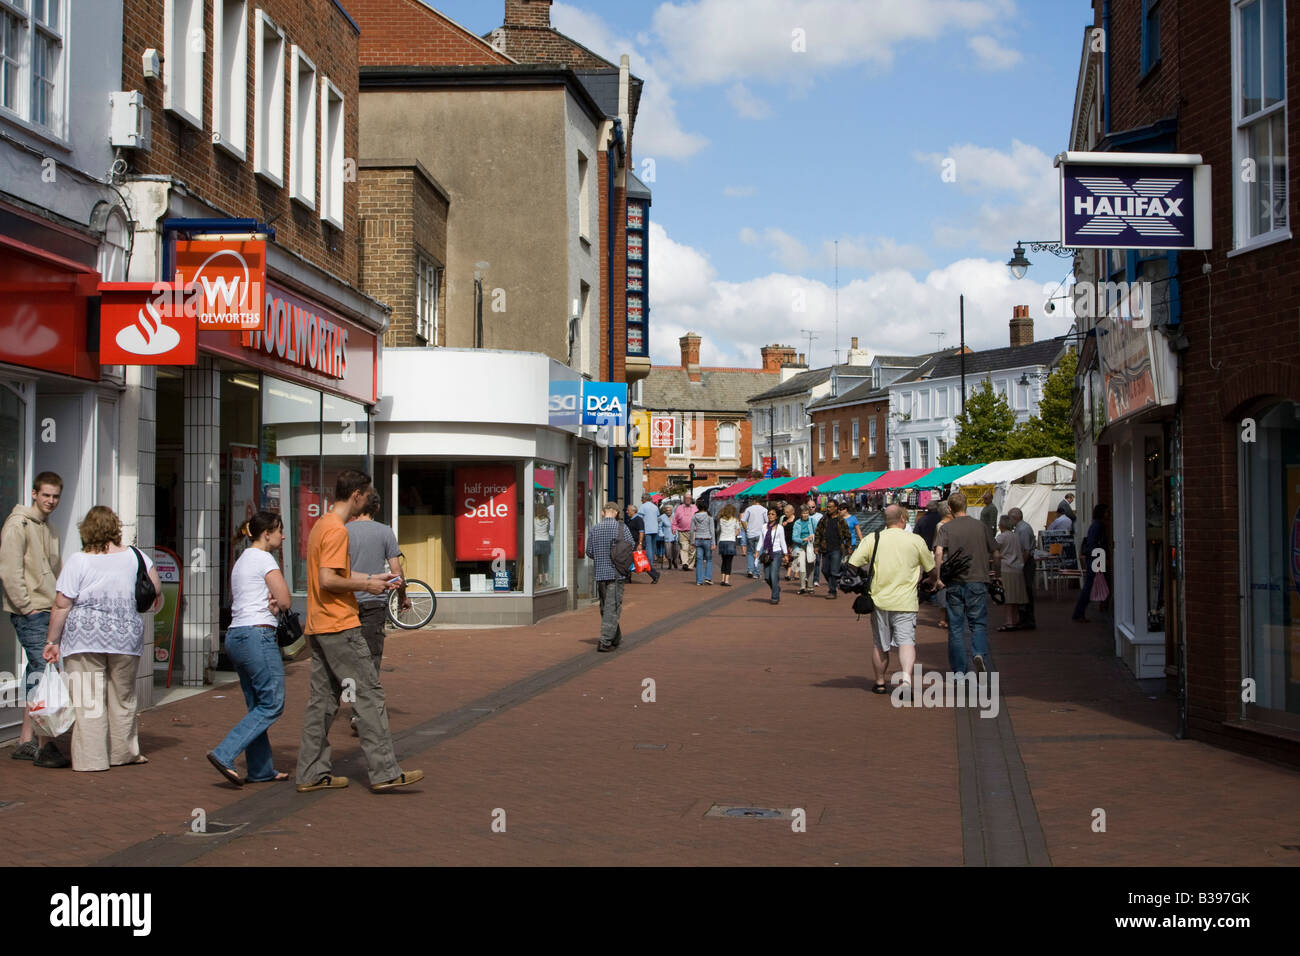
(679, 440)
(905, 452)
(428, 279)
(726, 440)
(835, 440)
(871, 437)
(1259, 112)
(855, 441)
(821, 442)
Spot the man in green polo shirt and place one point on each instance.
(895, 569)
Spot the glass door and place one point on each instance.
(13, 481)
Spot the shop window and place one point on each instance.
(1259, 116)
(230, 75)
(1270, 529)
(460, 527)
(183, 44)
(289, 469)
(302, 129)
(331, 154)
(268, 101)
(550, 557)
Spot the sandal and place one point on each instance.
(227, 772)
(281, 775)
(880, 687)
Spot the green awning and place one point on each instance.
(760, 488)
(944, 475)
(849, 482)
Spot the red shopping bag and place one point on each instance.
(640, 563)
(1100, 590)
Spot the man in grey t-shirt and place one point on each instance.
(966, 594)
(372, 549)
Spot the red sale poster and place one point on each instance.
(486, 514)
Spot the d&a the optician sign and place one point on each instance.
(1134, 201)
(604, 403)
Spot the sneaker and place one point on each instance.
(25, 751)
(979, 664)
(405, 780)
(602, 647)
(52, 757)
(326, 782)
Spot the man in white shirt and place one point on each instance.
(755, 519)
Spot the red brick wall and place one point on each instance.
(615, 271)
(851, 460)
(407, 33)
(657, 469)
(217, 178)
(1252, 317)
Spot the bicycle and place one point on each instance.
(423, 605)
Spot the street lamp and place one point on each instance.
(1019, 265)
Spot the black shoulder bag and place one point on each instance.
(862, 604)
(145, 594)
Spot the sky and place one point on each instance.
(919, 134)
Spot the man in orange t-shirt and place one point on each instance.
(340, 654)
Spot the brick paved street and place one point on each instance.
(756, 706)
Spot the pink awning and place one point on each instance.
(897, 479)
(732, 490)
(797, 486)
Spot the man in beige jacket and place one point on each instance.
(29, 567)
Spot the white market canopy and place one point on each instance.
(1041, 471)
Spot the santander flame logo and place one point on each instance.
(150, 335)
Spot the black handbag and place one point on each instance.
(145, 594)
(863, 604)
(288, 630)
(997, 594)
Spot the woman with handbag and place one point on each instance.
(772, 553)
(258, 591)
(728, 530)
(800, 556)
(1013, 572)
(97, 630)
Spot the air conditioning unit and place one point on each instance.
(129, 122)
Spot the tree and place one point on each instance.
(983, 429)
(1050, 433)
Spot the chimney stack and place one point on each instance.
(774, 356)
(801, 361)
(1022, 326)
(853, 342)
(528, 13)
(690, 343)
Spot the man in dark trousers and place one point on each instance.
(1025, 532)
(372, 548)
(966, 593)
(636, 525)
(609, 579)
(831, 539)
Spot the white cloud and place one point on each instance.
(717, 41)
(857, 252)
(659, 132)
(891, 311)
(1020, 189)
(738, 192)
(992, 55)
(746, 104)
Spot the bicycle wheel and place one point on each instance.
(423, 605)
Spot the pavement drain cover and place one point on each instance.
(215, 828)
(748, 813)
(649, 746)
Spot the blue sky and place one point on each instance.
(764, 154)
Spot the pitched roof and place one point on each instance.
(1045, 352)
(667, 388)
(921, 366)
(810, 379)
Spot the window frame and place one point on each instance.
(1241, 130)
(733, 441)
(268, 130)
(821, 442)
(923, 453)
(300, 165)
(28, 29)
(871, 435)
(904, 453)
(332, 206)
(678, 448)
(1149, 37)
(230, 89)
(856, 438)
(835, 440)
(179, 96)
(428, 288)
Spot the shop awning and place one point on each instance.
(764, 487)
(901, 478)
(734, 489)
(996, 472)
(854, 481)
(796, 486)
(945, 475)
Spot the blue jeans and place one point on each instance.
(751, 555)
(832, 562)
(703, 561)
(652, 547)
(32, 631)
(967, 603)
(773, 574)
(256, 657)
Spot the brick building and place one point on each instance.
(1202, 479)
(708, 406)
(252, 128)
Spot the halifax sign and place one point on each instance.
(1110, 201)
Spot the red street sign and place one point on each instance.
(137, 327)
(223, 282)
(661, 432)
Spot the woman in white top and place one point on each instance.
(728, 529)
(258, 590)
(99, 634)
(772, 552)
(542, 542)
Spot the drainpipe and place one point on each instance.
(1105, 65)
(615, 138)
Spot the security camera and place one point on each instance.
(1049, 306)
